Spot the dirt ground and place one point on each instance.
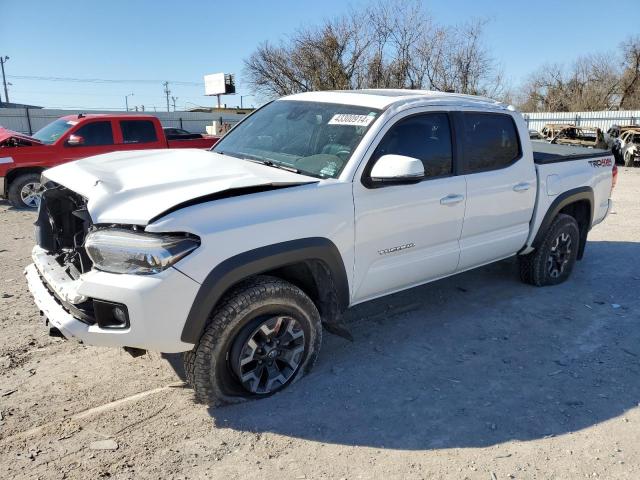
(477, 376)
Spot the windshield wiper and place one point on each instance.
(269, 163)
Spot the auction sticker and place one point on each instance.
(351, 119)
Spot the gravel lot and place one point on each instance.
(477, 376)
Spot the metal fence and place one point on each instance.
(602, 119)
(31, 120)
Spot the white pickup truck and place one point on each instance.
(314, 203)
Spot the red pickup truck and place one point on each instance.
(23, 158)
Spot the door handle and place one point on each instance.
(521, 187)
(451, 199)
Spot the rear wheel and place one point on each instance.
(25, 191)
(552, 262)
(264, 336)
(628, 159)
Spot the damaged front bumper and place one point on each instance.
(156, 305)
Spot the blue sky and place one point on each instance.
(182, 41)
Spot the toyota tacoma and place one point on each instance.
(316, 202)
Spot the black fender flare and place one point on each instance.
(566, 198)
(257, 261)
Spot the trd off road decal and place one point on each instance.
(601, 162)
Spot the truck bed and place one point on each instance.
(545, 152)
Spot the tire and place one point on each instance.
(552, 262)
(18, 191)
(617, 157)
(234, 341)
(628, 160)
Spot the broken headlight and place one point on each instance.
(126, 251)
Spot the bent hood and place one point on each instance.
(135, 187)
(6, 134)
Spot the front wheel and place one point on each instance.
(552, 262)
(25, 191)
(264, 336)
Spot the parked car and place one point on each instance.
(181, 134)
(316, 202)
(591, 137)
(629, 147)
(23, 158)
(534, 134)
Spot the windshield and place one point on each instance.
(53, 131)
(314, 138)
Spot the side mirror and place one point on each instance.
(395, 169)
(75, 140)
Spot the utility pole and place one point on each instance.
(3, 60)
(167, 92)
(243, 96)
(173, 100)
(126, 101)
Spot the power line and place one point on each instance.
(97, 80)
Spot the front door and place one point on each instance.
(91, 138)
(408, 234)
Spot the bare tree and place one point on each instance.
(591, 82)
(388, 45)
(630, 81)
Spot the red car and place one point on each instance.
(23, 158)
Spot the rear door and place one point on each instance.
(138, 134)
(408, 234)
(501, 187)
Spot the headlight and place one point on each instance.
(126, 251)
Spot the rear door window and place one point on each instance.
(95, 133)
(489, 141)
(138, 131)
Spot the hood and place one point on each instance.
(6, 134)
(135, 187)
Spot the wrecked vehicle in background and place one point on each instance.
(615, 131)
(591, 137)
(550, 130)
(628, 147)
(23, 158)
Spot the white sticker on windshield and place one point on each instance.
(351, 119)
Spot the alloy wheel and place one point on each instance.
(266, 359)
(560, 255)
(30, 194)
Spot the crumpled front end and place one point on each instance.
(95, 307)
